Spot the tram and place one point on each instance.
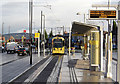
(58, 46)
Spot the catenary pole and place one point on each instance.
(30, 28)
(41, 36)
(118, 37)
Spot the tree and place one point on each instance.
(38, 31)
(114, 31)
(114, 28)
(46, 36)
(51, 34)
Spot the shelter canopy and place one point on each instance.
(83, 28)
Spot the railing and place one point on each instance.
(114, 68)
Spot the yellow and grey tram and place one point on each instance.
(58, 46)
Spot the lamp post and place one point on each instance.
(30, 28)
(41, 36)
(118, 37)
(48, 6)
(34, 26)
(44, 37)
(2, 32)
(9, 32)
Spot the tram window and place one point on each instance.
(58, 43)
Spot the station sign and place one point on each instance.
(102, 14)
(37, 35)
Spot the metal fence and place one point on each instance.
(114, 68)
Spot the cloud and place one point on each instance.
(63, 13)
(15, 15)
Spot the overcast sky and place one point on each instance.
(14, 13)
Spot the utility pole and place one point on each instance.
(63, 30)
(118, 37)
(41, 24)
(84, 17)
(109, 66)
(34, 27)
(41, 36)
(108, 4)
(30, 28)
(69, 40)
(2, 32)
(109, 55)
(44, 38)
(9, 32)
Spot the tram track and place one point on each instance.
(21, 77)
(50, 72)
(72, 74)
(54, 77)
(40, 72)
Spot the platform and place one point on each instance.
(74, 69)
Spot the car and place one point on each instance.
(21, 51)
(2, 49)
(27, 50)
(11, 47)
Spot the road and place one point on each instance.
(45, 71)
(14, 68)
(7, 58)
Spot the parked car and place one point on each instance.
(22, 51)
(12, 47)
(27, 50)
(2, 49)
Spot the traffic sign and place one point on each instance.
(22, 38)
(102, 14)
(37, 35)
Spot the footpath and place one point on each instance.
(75, 69)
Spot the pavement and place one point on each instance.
(13, 69)
(81, 69)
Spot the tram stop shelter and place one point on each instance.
(82, 29)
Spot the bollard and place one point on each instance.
(73, 51)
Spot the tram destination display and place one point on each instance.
(102, 14)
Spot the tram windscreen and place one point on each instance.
(57, 43)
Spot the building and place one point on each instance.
(18, 37)
(2, 40)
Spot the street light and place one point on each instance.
(44, 37)
(30, 27)
(34, 26)
(30, 24)
(48, 6)
(9, 32)
(2, 33)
